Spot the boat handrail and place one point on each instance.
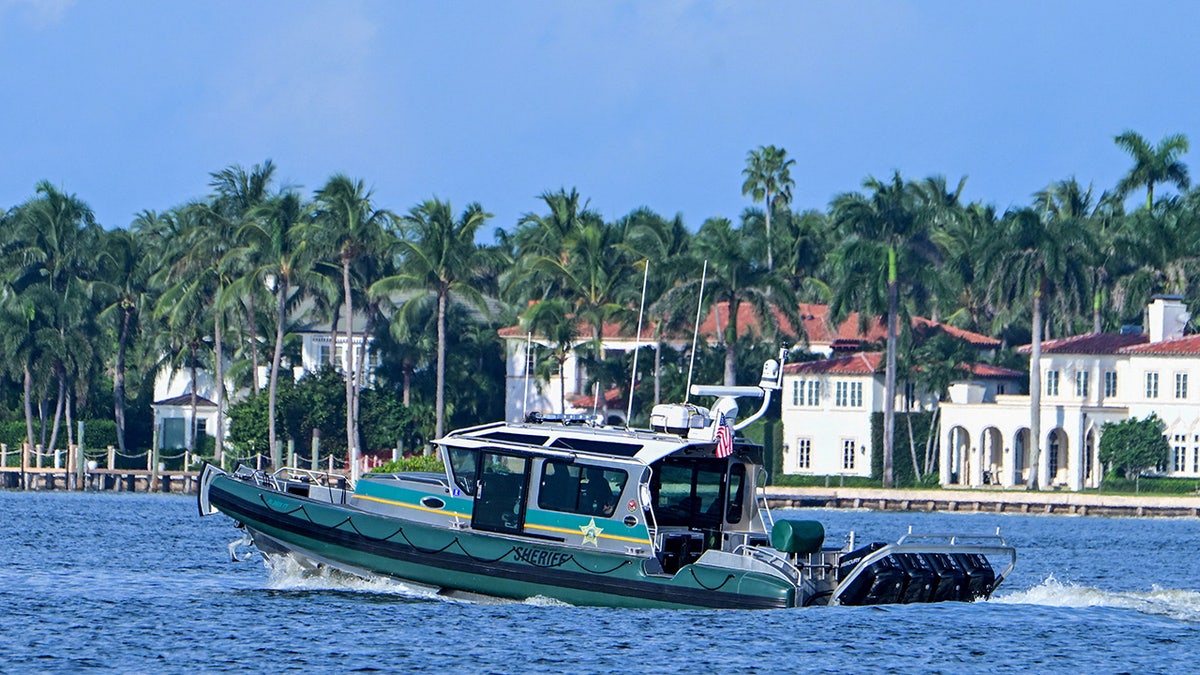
(322, 478)
(770, 558)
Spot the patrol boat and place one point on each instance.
(563, 507)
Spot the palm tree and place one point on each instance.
(349, 228)
(544, 236)
(53, 267)
(963, 282)
(1153, 164)
(735, 277)
(551, 320)
(886, 245)
(440, 259)
(768, 179)
(273, 254)
(237, 193)
(1040, 259)
(126, 286)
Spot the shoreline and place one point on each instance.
(987, 501)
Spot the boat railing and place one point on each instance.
(776, 561)
(914, 542)
(321, 478)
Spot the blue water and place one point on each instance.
(138, 583)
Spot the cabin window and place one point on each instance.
(736, 492)
(579, 488)
(688, 493)
(464, 464)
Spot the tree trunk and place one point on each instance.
(119, 380)
(276, 359)
(730, 343)
(1035, 393)
(889, 379)
(912, 447)
(253, 343)
(191, 446)
(770, 260)
(58, 409)
(348, 304)
(219, 361)
(440, 398)
(657, 370)
(28, 391)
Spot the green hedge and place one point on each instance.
(794, 480)
(902, 468)
(1166, 486)
(411, 463)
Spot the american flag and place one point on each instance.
(724, 438)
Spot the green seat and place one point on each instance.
(797, 536)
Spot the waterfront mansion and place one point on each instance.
(1087, 380)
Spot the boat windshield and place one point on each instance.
(687, 492)
(464, 464)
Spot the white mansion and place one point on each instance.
(1087, 380)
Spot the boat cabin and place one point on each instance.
(636, 492)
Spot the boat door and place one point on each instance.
(500, 497)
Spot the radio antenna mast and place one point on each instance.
(696, 333)
(637, 343)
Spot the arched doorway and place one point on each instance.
(992, 451)
(1091, 460)
(960, 456)
(1021, 457)
(1056, 457)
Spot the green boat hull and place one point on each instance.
(461, 559)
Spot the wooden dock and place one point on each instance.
(109, 480)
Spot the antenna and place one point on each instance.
(528, 358)
(595, 398)
(637, 344)
(696, 333)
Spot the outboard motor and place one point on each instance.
(919, 577)
(882, 582)
(951, 580)
(980, 575)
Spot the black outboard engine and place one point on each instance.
(951, 580)
(880, 583)
(981, 578)
(919, 577)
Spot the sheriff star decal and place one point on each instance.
(590, 533)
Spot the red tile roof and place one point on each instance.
(1093, 343)
(610, 396)
(814, 320)
(869, 363)
(1184, 346)
(862, 363)
(988, 371)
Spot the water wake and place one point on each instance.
(286, 573)
(1176, 604)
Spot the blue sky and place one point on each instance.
(130, 104)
